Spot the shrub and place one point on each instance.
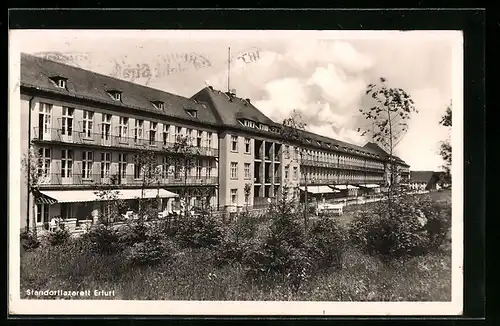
(103, 239)
(29, 240)
(406, 226)
(238, 237)
(58, 237)
(200, 231)
(283, 250)
(150, 252)
(326, 243)
(134, 232)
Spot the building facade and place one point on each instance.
(89, 130)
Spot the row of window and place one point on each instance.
(324, 157)
(88, 159)
(197, 138)
(234, 145)
(234, 170)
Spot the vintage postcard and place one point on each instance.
(235, 172)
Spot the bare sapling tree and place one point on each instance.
(247, 191)
(150, 176)
(183, 156)
(445, 147)
(36, 172)
(108, 195)
(292, 133)
(387, 120)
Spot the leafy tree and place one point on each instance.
(445, 148)
(392, 108)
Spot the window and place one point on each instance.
(164, 167)
(88, 118)
(199, 138)
(122, 165)
(234, 170)
(189, 134)
(165, 134)
(178, 133)
(67, 121)
(61, 83)
(42, 213)
(198, 168)
(159, 105)
(152, 133)
(115, 95)
(209, 139)
(44, 120)
(234, 143)
(247, 171)
(264, 127)
(87, 162)
(137, 167)
(295, 173)
(234, 196)
(138, 130)
(177, 172)
(44, 162)
(247, 145)
(192, 113)
(105, 164)
(287, 168)
(123, 127)
(66, 163)
(106, 126)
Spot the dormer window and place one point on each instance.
(318, 142)
(264, 127)
(59, 81)
(192, 112)
(115, 95)
(328, 145)
(308, 140)
(159, 105)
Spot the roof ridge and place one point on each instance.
(105, 76)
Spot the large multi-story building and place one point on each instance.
(90, 129)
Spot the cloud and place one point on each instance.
(323, 81)
(420, 146)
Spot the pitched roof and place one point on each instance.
(375, 147)
(37, 72)
(231, 108)
(422, 176)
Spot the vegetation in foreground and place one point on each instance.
(388, 252)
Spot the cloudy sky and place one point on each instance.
(322, 75)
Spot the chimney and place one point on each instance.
(211, 88)
(248, 100)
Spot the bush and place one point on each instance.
(238, 238)
(58, 237)
(134, 232)
(103, 239)
(407, 226)
(29, 240)
(150, 252)
(200, 231)
(283, 250)
(326, 243)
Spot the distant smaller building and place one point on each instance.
(425, 180)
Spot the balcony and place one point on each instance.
(93, 180)
(108, 140)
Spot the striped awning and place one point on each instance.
(77, 196)
(42, 199)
